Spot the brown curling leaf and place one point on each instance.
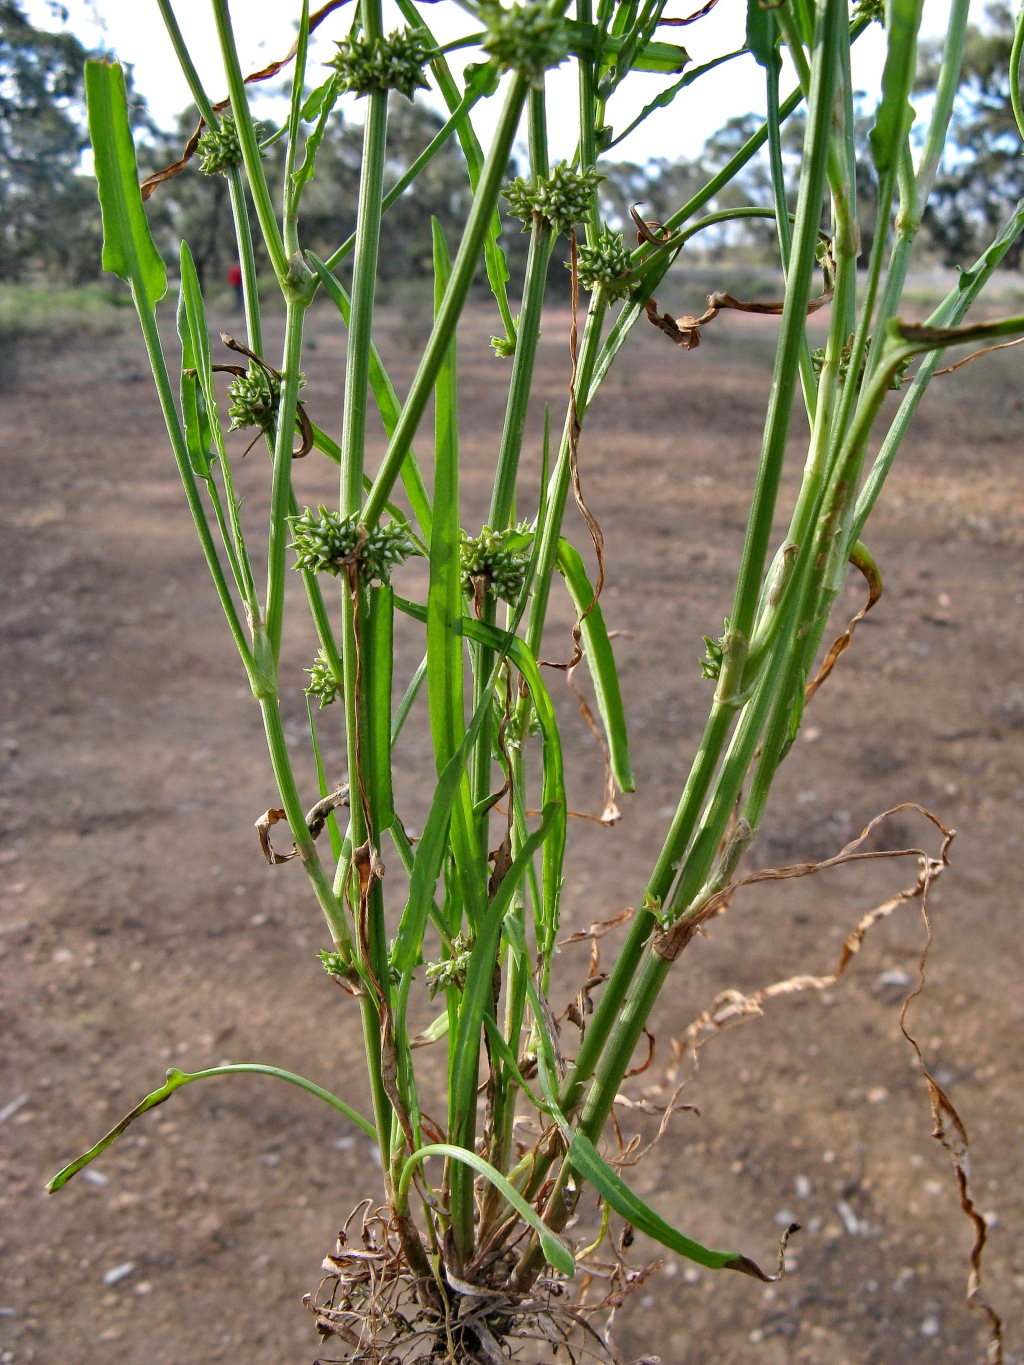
(176, 167)
(269, 818)
(772, 309)
(316, 818)
(873, 578)
(690, 18)
(671, 941)
(949, 1131)
(748, 1267)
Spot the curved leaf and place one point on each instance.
(128, 248)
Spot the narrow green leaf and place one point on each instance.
(477, 994)
(198, 431)
(601, 663)
(895, 114)
(328, 99)
(666, 97)
(128, 248)
(378, 663)
(761, 39)
(557, 1253)
(388, 406)
(408, 697)
(176, 1079)
(589, 1163)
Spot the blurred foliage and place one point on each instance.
(49, 223)
(983, 178)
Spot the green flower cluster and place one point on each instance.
(871, 9)
(329, 543)
(254, 398)
(846, 355)
(333, 962)
(607, 263)
(452, 970)
(498, 557)
(526, 38)
(563, 196)
(711, 664)
(392, 63)
(322, 682)
(220, 148)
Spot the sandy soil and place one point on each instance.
(141, 927)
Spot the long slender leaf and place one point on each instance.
(128, 247)
(600, 661)
(176, 1079)
(895, 114)
(557, 1253)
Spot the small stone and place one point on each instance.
(691, 1275)
(811, 734)
(930, 1326)
(11, 1108)
(92, 1177)
(803, 1187)
(118, 1273)
(343, 1144)
(784, 1218)
(878, 1095)
(895, 976)
(851, 1222)
(143, 1287)
(756, 1336)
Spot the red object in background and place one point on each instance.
(235, 276)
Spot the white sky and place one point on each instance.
(134, 32)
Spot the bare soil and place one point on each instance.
(141, 928)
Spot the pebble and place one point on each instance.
(11, 1108)
(803, 1187)
(850, 1220)
(118, 1273)
(930, 1326)
(895, 976)
(784, 1218)
(96, 1178)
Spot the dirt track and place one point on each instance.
(141, 928)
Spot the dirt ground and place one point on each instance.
(141, 928)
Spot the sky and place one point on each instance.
(134, 32)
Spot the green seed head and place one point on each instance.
(392, 63)
(322, 682)
(333, 962)
(220, 148)
(327, 542)
(526, 38)
(496, 561)
(563, 197)
(711, 664)
(607, 263)
(253, 399)
(452, 970)
(873, 9)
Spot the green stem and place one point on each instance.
(281, 495)
(463, 270)
(249, 142)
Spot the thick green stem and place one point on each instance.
(249, 142)
(463, 270)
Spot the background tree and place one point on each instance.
(984, 177)
(48, 216)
